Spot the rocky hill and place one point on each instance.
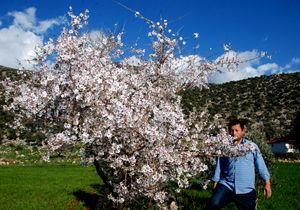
(269, 103)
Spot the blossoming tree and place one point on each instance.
(127, 119)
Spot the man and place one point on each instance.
(234, 178)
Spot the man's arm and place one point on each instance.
(263, 172)
(267, 189)
(216, 176)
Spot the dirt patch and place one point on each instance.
(288, 161)
(5, 161)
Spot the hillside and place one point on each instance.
(270, 104)
(6, 117)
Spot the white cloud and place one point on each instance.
(96, 35)
(262, 69)
(288, 67)
(26, 19)
(249, 67)
(134, 61)
(293, 66)
(295, 61)
(47, 24)
(18, 40)
(17, 45)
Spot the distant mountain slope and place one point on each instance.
(269, 103)
(4, 68)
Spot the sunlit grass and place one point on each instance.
(286, 191)
(45, 186)
(53, 186)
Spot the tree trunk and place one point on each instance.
(102, 175)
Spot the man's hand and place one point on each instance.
(214, 185)
(267, 189)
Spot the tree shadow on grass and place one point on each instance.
(95, 201)
(194, 198)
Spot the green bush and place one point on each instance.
(259, 138)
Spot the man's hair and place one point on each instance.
(236, 122)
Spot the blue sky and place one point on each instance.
(250, 27)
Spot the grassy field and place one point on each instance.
(286, 189)
(71, 187)
(46, 186)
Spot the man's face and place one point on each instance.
(237, 132)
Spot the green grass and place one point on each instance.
(286, 188)
(46, 186)
(53, 186)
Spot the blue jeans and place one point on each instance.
(223, 196)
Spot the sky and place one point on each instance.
(249, 26)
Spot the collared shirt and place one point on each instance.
(238, 173)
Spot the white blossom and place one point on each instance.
(127, 116)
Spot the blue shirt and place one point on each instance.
(238, 173)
